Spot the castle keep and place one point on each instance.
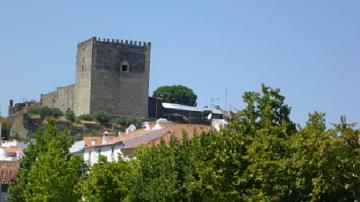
(111, 76)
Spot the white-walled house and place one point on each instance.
(124, 146)
(10, 154)
(110, 151)
(11, 150)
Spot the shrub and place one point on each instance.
(127, 121)
(45, 112)
(85, 117)
(102, 117)
(70, 115)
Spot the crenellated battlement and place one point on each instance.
(123, 42)
(112, 75)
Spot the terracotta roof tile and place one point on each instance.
(8, 170)
(178, 129)
(167, 130)
(12, 149)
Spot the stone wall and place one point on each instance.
(119, 92)
(111, 76)
(62, 98)
(83, 77)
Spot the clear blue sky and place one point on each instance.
(309, 49)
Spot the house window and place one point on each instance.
(11, 154)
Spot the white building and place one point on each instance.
(11, 150)
(124, 146)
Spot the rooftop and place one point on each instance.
(148, 136)
(8, 170)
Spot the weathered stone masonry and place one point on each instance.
(111, 76)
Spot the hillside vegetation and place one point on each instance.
(262, 156)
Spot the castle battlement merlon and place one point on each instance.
(122, 42)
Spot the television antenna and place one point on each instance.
(212, 100)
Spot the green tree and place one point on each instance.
(107, 181)
(102, 117)
(5, 130)
(207, 168)
(176, 94)
(47, 172)
(265, 111)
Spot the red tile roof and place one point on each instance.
(12, 149)
(168, 129)
(178, 129)
(8, 170)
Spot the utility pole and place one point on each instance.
(226, 95)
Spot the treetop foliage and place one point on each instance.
(48, 172)
(176, 94)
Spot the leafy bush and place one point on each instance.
(86, 117)
(45, 112)
(5, 131)
(102, 117)
(127, 121)
(70, 115)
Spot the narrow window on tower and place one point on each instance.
(124, 66)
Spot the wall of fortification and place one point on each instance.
(83, 77)
(62, 98)
(101, 82)
(121, 93)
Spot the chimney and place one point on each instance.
(105, 137)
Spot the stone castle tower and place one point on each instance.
(111, 76)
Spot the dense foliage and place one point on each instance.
(5, 129)
(127, 121)
(86, 117)
(48, 172)
(106, 119)
(260, 156)
(176, 94)
(106, 181)
(70, 115)
(45, 112)
(102, 117)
